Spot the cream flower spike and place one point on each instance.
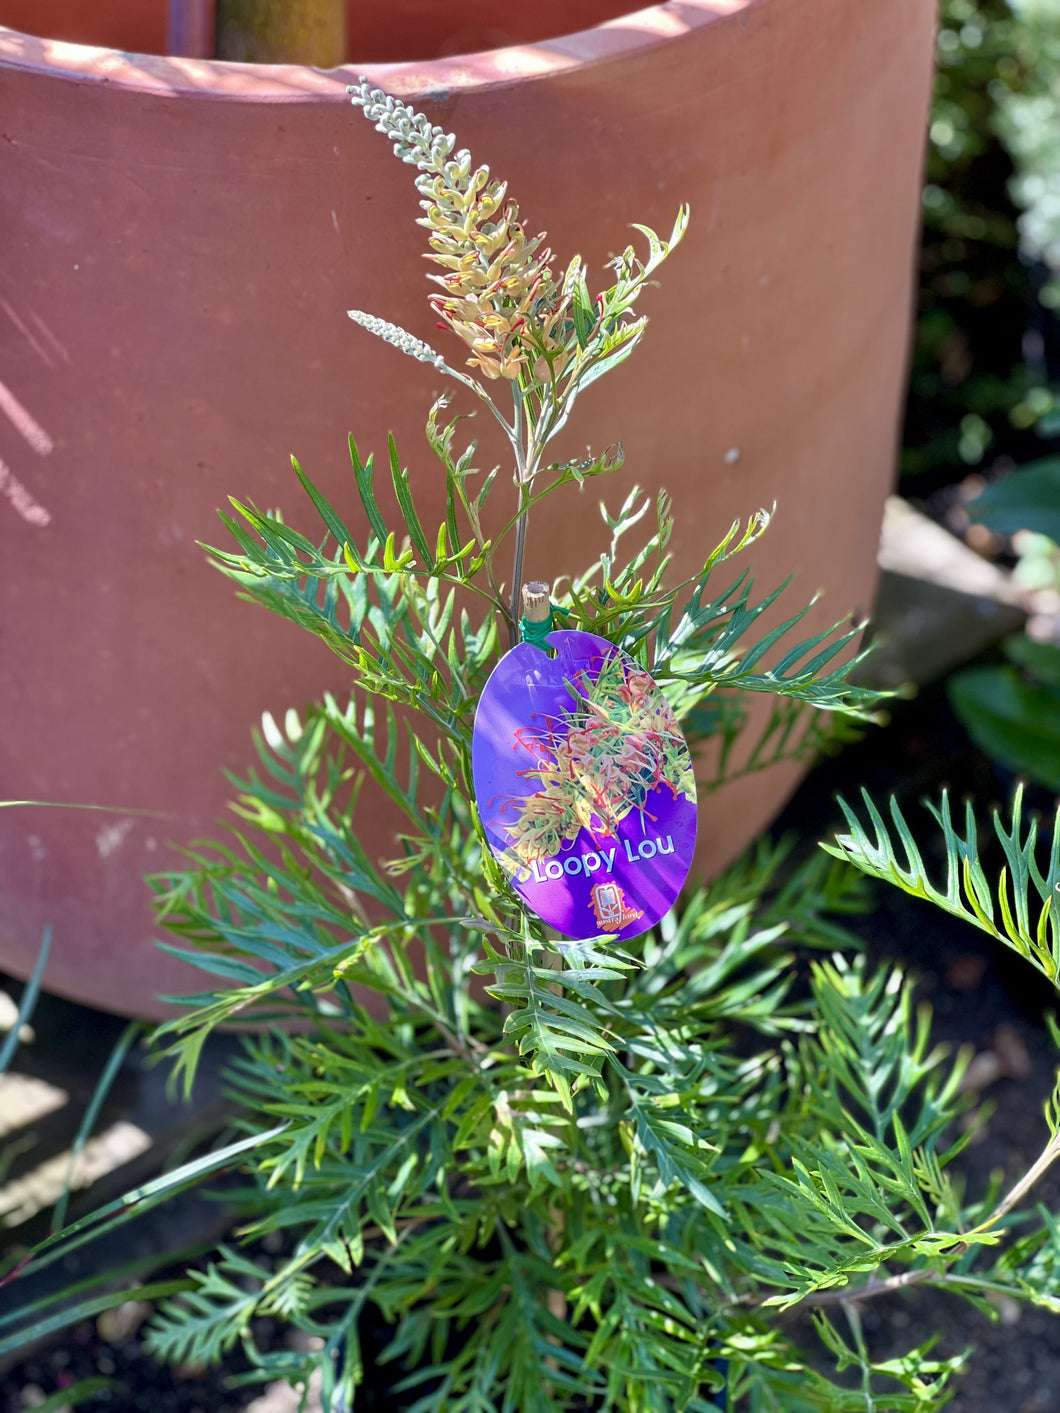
(499, 295)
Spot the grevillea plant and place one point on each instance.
(568, 1175)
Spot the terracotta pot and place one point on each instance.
(183, 240)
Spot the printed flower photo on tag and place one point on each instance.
(585, 786)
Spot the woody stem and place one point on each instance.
(524, 473)
(517, 574)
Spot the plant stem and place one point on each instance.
(1041, 1164)
(517, 567)
(846, 1295)
(525, 469)
(873, 1287)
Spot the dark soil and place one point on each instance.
(982, 996)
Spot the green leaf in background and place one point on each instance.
(1041, 660)
(74, 1394)
(1029, 499)
(29, 1000)
(1012, 719)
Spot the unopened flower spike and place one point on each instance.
(397, 336)
(499, 295)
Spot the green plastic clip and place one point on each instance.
(536, 633)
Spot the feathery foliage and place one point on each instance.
(570, 1175)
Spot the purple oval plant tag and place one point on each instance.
(585, 786)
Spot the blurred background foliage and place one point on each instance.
(985, 384)
(982, 435)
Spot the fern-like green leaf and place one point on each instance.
(1019, 910)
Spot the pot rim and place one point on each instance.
(168, 76)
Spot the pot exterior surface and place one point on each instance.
(183, 240)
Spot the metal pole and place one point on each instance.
(190, 28)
